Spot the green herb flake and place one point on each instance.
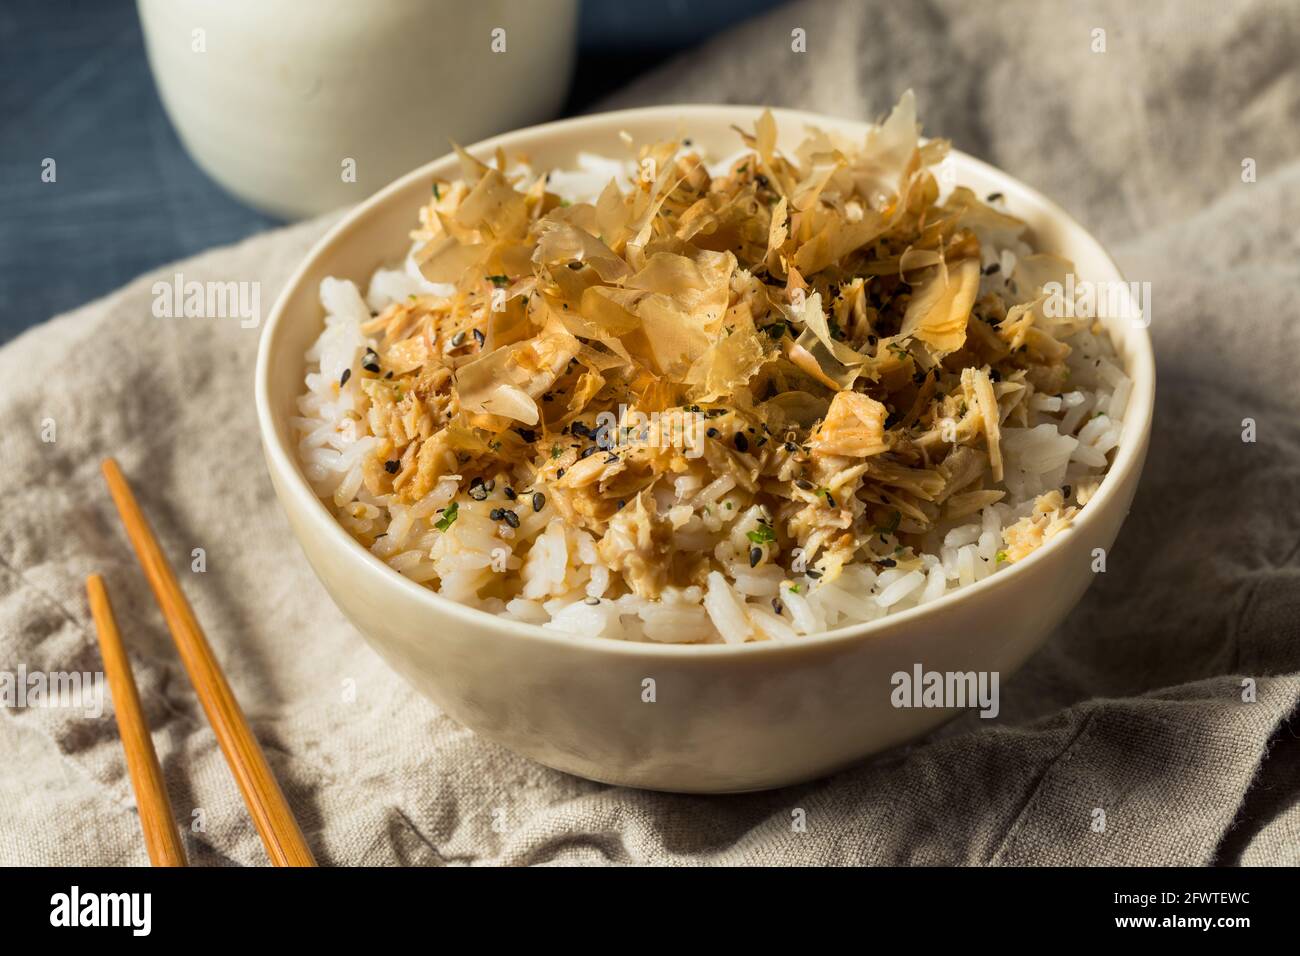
(763, 534)
(448, 517)
(890, 528)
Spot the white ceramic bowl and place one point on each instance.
(724, 717)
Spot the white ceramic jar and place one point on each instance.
(298, 107)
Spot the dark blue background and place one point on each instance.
(75, 86)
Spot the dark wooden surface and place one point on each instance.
(75, 88)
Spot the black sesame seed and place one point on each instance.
(887, 562)
(388, 374)
(791, 447)
(620, 504)
(815, 575)
(509, 492)
(777, 606)
(994, 197)
(580, 429)
(611, 458)
(1067, 491)
(478, 490)
(830, 499)
(712, 433)
(592, 601)
(343, 379)
(539, 501)
(755, 556)
(742, 443)
(588, 452)
(496, 514)
(392, 465)
(803, 484)
(479, 337)
(560, 473)
(527, 434)
(512, 519)
(458, 339)
(992, 268)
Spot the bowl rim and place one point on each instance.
(1140, 366)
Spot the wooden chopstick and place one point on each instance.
(161, 838)
(266, 803)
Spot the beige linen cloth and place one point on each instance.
(1134, 708)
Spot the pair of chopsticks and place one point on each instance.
(266, 803)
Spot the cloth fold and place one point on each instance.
(1156, 727)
